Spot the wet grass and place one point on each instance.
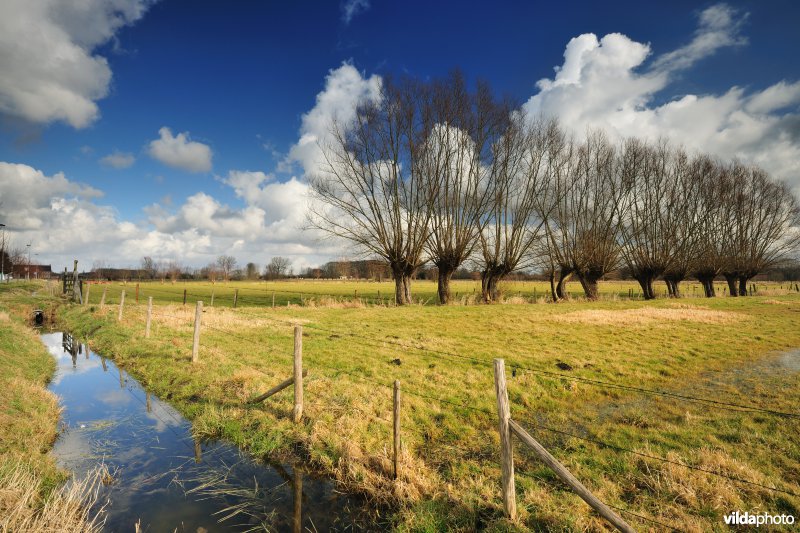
(719, 348)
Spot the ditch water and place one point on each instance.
(164, 478)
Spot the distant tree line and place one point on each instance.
(436, 173)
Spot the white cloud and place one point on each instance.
(50, 71)
(345, 87)
(180, 152)
(118, 160)
(606, 83)
(351, 8)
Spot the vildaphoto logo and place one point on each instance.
(751, 519)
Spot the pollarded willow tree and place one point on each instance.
(763, 220)
(524, 161)
(656, 212)
(459, 129)
(584, 226)
(371, 191)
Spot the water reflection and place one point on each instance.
(165, 477)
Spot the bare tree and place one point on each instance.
(584, 226)
(763, 222)
(226, 265)
(655, 231)
(524, 160)
(278, 267)
(371, 191)
(456, 154)
(149, 267)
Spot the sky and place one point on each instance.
(184, 130)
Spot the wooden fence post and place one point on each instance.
(298, 374)
(137, 293)
(235, 297)
(212, 297)
(396, 425)
(567, 477)
(103, 298)
(198, 314)
(297, 495)
(506, 449)
(273, 299)
(149, 317)
(184, 296)
(86, 297)
(121, 306)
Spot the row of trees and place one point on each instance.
(434, 172)
(223, 269)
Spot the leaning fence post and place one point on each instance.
(298, 373)
(86, 296)
(198, 313)
(396, 425)
(506, 449)
(149, 317)
(121, 305)
(235, 297)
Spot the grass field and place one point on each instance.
(323, 292)
(566, 364)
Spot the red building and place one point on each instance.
(36, 271)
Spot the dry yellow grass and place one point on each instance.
(72, 508)
(647, 316)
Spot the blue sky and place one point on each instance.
(237, 79)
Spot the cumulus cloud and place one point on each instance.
(118, 160)
(65, 220)
(351, 8)
(608, 83)
(47, 56)
(345, 87)
(180, 152)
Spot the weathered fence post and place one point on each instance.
(86, 296)
(396, 411)
(273, 299)
(235, 298)
(298, 374)
(184, 296)
(80, 292)
(103, 298)
(567, 477)
(198, 313)
(121, 305)
(212, 298)
(137, 293)
(149, 317)
(506, 449)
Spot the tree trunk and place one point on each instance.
(646, 283)
(444, 286)
(743, 286)
(707, 281)
(553, 285)
(563, 278)
(589, 284)
(732, 287)
(673, 287)
(489, 286)
(402, 285)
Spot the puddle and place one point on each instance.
(163, 477)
